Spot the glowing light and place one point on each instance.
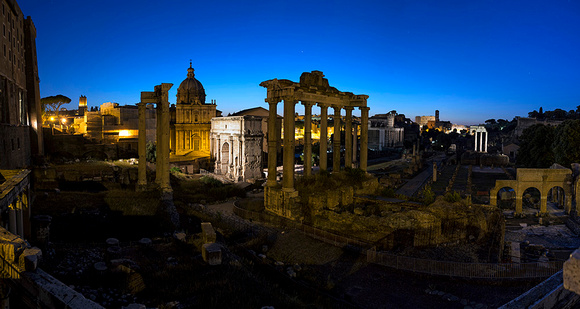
(63, 120)
(51, 118)
(124, 133)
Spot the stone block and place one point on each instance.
(212, 253)
(208, 233)
(572, 272)
(28, 260)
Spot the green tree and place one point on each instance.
(536, 148)
(53, 104)
(151, 152)
(566, 142)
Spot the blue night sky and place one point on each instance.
(472, 60)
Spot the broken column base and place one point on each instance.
(212, 253)
(282, 203)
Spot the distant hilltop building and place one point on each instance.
(525, 122)
(191, 118)
(433, 122)
(424, 120)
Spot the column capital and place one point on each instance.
(336, 108)
(323, 105)
(290, 99)
(272, 100)
(141, 104)
(348, 108)
(308, 103)
(366, 108)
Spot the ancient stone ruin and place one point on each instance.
(312, 89)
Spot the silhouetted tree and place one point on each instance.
(536, 148)
(566, 142)
(490, 121)
(53, 104)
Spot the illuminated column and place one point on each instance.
(354, 142)
(158, 156)
(307, 138)
(19, 217)
(518, 203)
(544, 203)
(288, 171)
(141, 148)
(485, 145)
(348, 138)
(161, 91)
(323, 136)
(12, 218)
(336, 141)
(231, 166)
(272, 142)
(364, 137)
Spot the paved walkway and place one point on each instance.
(413, 185)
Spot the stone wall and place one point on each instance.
(14, 146)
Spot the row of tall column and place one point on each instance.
(480, 141)
(289, 140)
(18, 213)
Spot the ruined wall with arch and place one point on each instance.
(542, 179)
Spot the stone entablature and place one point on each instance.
(312, 89)
(237, 147)
(543, 179)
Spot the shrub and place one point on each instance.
(428, 195)
(452, 197)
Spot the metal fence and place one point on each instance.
(425, 266)
(466, 270)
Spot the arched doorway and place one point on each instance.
(225, 157)
(196, 141)
(531, 198)
(506, 198)
(557, 197)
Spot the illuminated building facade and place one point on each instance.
(383, 133)
(20, 113)
(191, 119)
(20, 131)
(113, 123)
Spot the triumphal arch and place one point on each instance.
(313, 89)
(542, 179)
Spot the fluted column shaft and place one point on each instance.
(364, 137)
(165, 138)
(336, 141)
(141, 147)
(307, 138)
(323, 136)
(272, 142)
(289, 140)
(158, 146)
(348, 137)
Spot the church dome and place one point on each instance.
(190, 90)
